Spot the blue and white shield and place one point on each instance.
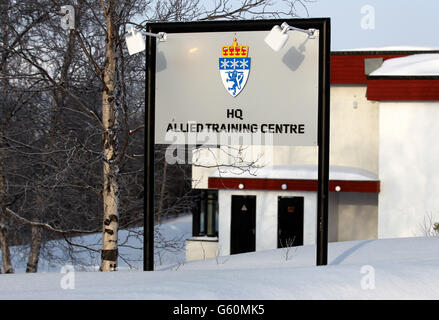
(234, 73)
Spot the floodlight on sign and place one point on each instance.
(136, 43)
(278, 36)
(68, 17)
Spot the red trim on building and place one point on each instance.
(292, 184)
(403, 89)
(355, 186)
(349, 68)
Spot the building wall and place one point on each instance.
(352, 216)
(354, 128)
(353, 133)
(353, 140)
(357, 216)
(201, 249)
(333, 217)
(354, 143)
(266, 217)
(408, 162)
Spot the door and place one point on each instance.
(243, 224)
(290, 222)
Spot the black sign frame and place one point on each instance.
(324, 27)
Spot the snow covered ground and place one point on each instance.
(405, 268)
(55, 254)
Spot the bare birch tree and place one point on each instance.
(173, 10)
(110, 191)
(72, 120)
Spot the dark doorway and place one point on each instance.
(243, 224)
(289, 222)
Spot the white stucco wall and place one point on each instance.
(266, 217)
(352, 216)
(409, 167)
(333, 216)
(353, 133)
(354, 128)
(357, 216)
(201, 249)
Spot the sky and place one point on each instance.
(379, 23)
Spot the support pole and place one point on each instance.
(323, 166)
(148, 233)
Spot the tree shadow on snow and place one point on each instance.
(349, 252)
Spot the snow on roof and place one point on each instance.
(297, 173)
(414, 65)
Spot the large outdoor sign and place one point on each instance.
(231, 83)
(219, 83)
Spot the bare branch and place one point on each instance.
(46, 226)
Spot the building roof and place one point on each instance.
(413, 65)
(403, 75)
(349, 67)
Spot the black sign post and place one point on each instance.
(321, 24)
(324, 124)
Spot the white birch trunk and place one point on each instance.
(110, 191)
(34, 254)
(4, 245)
(6, 256)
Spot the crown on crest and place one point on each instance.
(234, 51)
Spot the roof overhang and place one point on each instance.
(292, 185)
(297, 178)
(403, 88)
(405, 75)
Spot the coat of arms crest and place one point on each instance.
(234, 67)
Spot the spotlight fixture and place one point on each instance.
(136, 43)
(278, 36)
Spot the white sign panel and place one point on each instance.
(233, 83)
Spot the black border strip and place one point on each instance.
(230, 26)
(148, 207)
(263, 309)
(382, 52)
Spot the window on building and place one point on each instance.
(205, 217)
